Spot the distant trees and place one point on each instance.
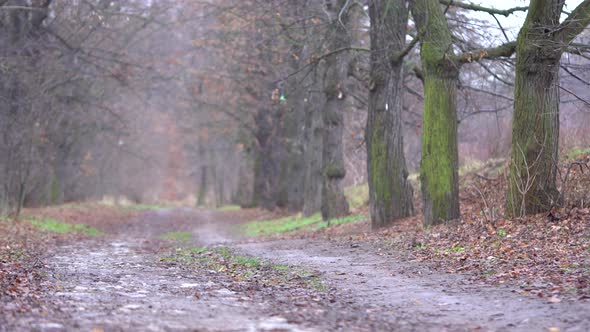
(294, 84)
(292, 98)
(59, 63)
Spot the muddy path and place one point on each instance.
(119, 283)
(450, 302)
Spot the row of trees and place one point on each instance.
(304, 63)
(73, 85)
(261, 102)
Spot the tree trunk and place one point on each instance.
(220, 188)
(439, 166)
(535, 129)
(390, 193)
(334, 202)
(314, 104)
(293, 127)
(535, 137)
(267, 165)
(202, 187)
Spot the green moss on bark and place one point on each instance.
(379, 172)
(439, 166)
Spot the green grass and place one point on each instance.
(239, 267)
(283, 225)
(281, 267)
(197, 250)
(145, 207)
(340, 221)
(227, 208)
(76, 206)
(249, 262)
(576, 152)
(492, 166)
(56, 226)
(295, 223)
(178, 236)
(455, 249)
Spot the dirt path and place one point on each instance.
(449, 302)
(118, 283)
(118, 286)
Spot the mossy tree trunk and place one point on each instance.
(334, 202)
(439, 165)
(390, 193)
(535, 134)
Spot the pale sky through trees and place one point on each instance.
(513, 22)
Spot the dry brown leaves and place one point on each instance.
(22, 248)
(547, 255)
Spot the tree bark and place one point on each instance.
(390, 193)
(334, 202)
(439, 165)
(202, 187)
(267, 165)
(535, 133)
(313, 138)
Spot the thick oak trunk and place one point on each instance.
(390, 193)
(314, 104)
(439, 165)
(535, 129)
(334, 202)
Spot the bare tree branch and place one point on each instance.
(491, 11)
(504, 50)
(574, 24)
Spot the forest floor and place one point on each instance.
(188, 270)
